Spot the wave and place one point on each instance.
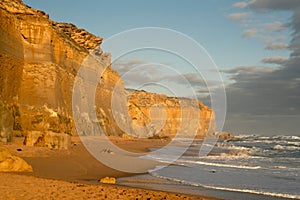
(220, 164)
(257, 137)
(274, 156)
(287, 137)
(293, 143)
(256, 145)
(282, 195)
(281, 147)
(272, 142)
(224, 156)
(229, 146)
(238, 150)
(290, 196)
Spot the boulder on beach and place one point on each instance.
(11, 163)
(48, 139)
(226, 136)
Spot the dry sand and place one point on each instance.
(28, 187)
(77, 163)
(67, 174)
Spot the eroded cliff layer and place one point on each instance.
(170, 116)
(39, 60)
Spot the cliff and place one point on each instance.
(39, 60)
(174, 114)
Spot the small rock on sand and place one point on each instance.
(108, 180)
(226, 136)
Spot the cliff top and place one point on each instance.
(17, 7)
(187, 101)
(80, 36)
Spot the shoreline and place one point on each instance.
(148, 181)
(68, 168)
(77, 166)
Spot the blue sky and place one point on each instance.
(250, 41)
(204, 21)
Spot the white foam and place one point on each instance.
(293, 143)
(274, 141)
(290, 196)
(227, 157)
(221, 165)
(280, 167)
(287, 137)
(281, 147)
(256, 137)
(265, 171)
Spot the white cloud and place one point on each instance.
(247, 73)
(238, 16)
(248, 70)
(275, 60)
(250, 33)
(277, 46)
(275, 26)
(240, 5)
(266, 36)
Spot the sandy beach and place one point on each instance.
(76, 163)
(72, 174)
(29, 187)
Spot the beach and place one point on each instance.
(73, 174)
(15, 186)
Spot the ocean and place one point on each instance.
(264, 165)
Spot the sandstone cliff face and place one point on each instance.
(80, 36)
(181, 116)
(39, 60)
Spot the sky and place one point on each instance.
(255, 45)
